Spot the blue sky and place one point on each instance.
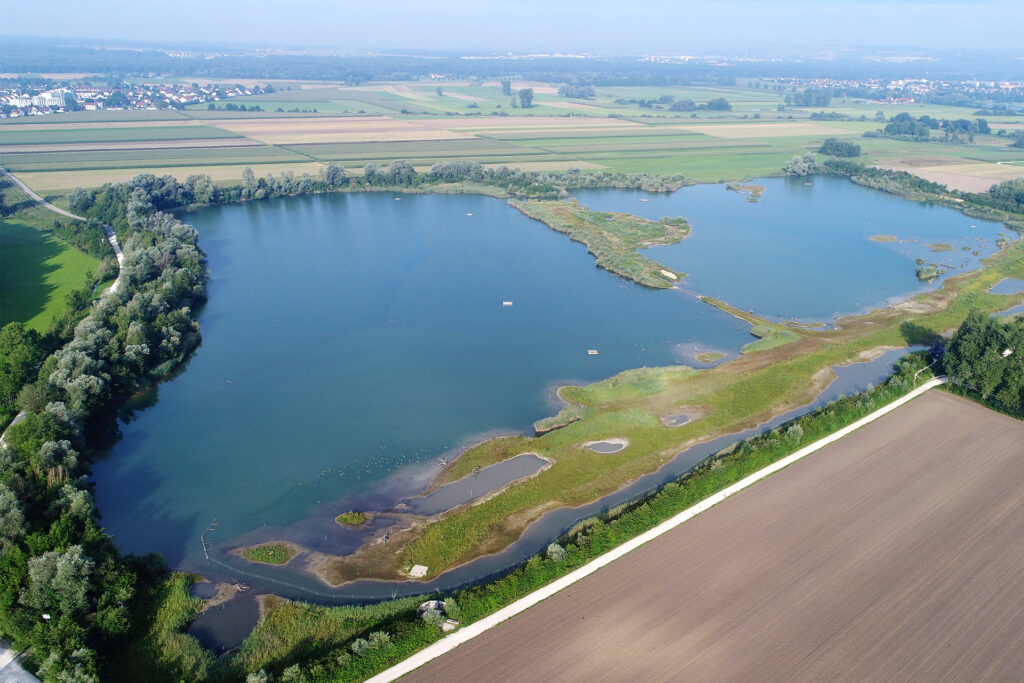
(609, 26)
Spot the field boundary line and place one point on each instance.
(450, 642)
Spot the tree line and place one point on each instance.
(903, 126)
(65, 591)
(985, 360)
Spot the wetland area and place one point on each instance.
(353, 345)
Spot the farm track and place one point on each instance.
(891, 554)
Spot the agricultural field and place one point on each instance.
(37, 271)
(304, 126)
(846, 552)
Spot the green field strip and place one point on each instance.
(98, 117)
(37, 271)
(112, 134)
(196, 156)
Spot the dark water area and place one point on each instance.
(804, 251)
(224, 627)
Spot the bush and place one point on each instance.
(839, 148)
(556, 553)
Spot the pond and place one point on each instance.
(808, 249)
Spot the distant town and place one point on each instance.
(61, 97)
(41, 97)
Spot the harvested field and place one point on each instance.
(893, 554)
(527, 123)
(969, 177)
(20, 136)
(336, 129)
(54, 181)
(136, 145)
(157, 123)
(548, 165)
(761, 130)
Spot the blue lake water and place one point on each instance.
(350, 341)
(804, 251)
(351, 336)
(1008, 286)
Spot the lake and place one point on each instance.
(351, 336)
(804, 250)
(351, 341)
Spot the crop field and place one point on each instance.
(20, 136)
(626, 129)
(891, 554)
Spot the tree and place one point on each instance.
(839, 148)
(12, 520)
(506, 86)
(801, 166)
(249, 184)
(334, 175)
(20, 353)
(683, 105)
(59, 582)
(526, 97)
(439, 90)
(719, 104)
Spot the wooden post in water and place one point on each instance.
(207, 546)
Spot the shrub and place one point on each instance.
(556, 553)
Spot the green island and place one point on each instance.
(350, 518)
(271, 553)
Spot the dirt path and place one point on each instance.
(111, 237)
(891, 554)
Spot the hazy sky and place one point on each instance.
(636, 26)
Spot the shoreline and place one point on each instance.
(918, 307)
(314, 561)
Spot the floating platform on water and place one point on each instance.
(507, 303)
(591, 352)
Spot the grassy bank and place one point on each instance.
(323, 643)
(613, 238)
(784, 370)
